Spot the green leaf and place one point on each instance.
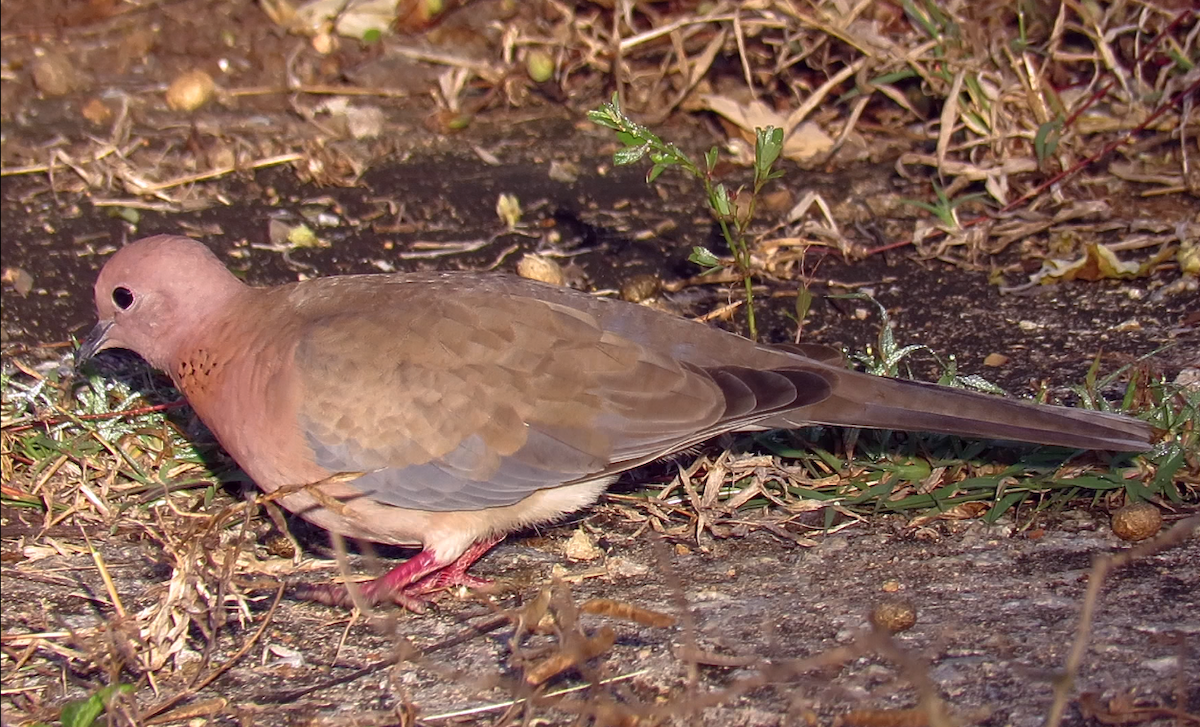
(1091, 482)
(919, 204)
(977, 94)
(977, 382)
(655, 170)
(893, 359)
(987, 483)
(83, 712)
(1131, 390)
(630, 154)
(767, 146)
(830, 514)
(881, 491)
(704, 257)
(603, 117)
(720, 200)
(128, 214)
(1137, 492)
(1046, 141)
(804, 299)
(1180, 60)
(608, 115)
(782, 449)
(918, 18)
(829, 459)
(629, 139)
(1004, 505)
(979, 121)
(912, 470)
(710, 159)
(890, 78)
(1165, 477)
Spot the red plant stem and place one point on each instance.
(99, 417)
(1141, 57)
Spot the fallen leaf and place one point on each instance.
(1098, 262)
(801, 142)
(582, 546)
(21, 281)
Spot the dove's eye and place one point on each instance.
(122, 297)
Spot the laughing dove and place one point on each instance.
(475, 405)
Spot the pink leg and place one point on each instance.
(389, 586)
(408, 583)
(456, 574)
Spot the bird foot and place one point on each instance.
(455, 574)
(408, 585)
(442, 580)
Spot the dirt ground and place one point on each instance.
(996, 614)
(748, 623)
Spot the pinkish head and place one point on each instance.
(153, 293)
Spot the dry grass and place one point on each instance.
(978, 97)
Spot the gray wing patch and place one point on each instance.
(473, 476)
(453, 482)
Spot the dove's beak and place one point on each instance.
(96, 341)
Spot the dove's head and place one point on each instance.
(154, 293)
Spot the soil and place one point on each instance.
(996, 614)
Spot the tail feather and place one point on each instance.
(862, 400)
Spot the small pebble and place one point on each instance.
(190, 90)
(1137, 521)
(55, 75)
(640, 288)
(894, 616)
(540, 65)
(582, 546)
(96, 112)
(541, 268)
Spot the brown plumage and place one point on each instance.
(479, 404)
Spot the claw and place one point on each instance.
(407, 585)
